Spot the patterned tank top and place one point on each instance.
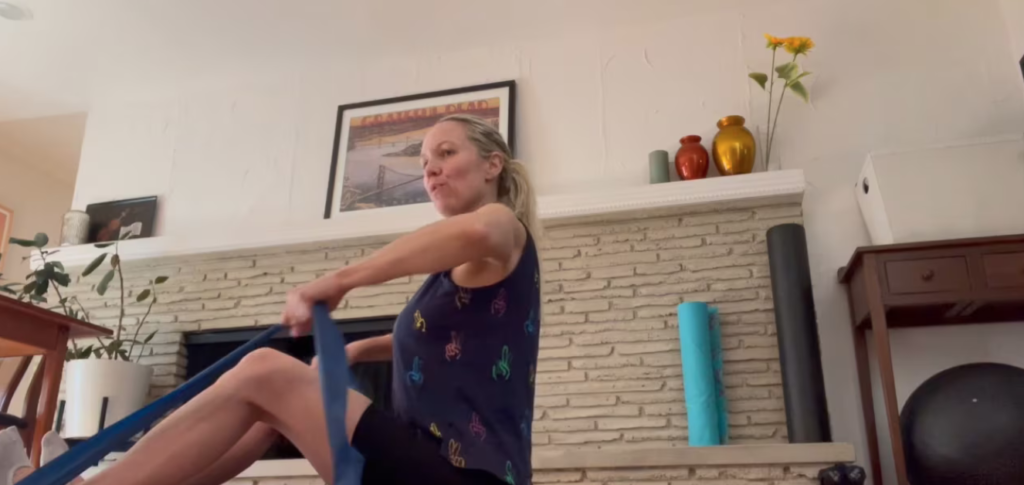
(464, 367)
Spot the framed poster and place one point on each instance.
(110, 221)
(6, 226)
(376, 157)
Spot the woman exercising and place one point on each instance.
(464, 350)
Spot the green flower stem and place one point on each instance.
(775, 124)
(768, 128)
(135, 338)
(120, 276)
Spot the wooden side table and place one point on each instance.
(954, 282)
(26, 329)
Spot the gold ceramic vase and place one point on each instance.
(733, 148)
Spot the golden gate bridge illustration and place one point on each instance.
(388, 178)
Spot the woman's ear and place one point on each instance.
(495, 164)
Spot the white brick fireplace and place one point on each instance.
(609, 379)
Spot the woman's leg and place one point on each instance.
(247, 451)
(267, 387)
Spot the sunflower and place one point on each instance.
(798, 45)
(774, 42)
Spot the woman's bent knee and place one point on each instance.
(264, 367)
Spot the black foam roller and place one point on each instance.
(803, 382)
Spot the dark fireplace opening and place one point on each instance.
(373, 379)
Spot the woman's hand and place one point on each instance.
(298, 313)
(298, 304)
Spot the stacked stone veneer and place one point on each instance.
(609, 371)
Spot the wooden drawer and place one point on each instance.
(1004, 270)
(928, 275)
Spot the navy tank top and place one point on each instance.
(464, 367)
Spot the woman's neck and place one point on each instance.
(489, 199)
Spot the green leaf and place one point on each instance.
(787, 70)
(103, 245)
(41, 240)
(29, 287)
(83, 353)
(150, 337)
(161, 280)
(95, 263)
(142, 296)
(25, 243)
(104, 283)
(799, 77)
(115, 260)
(122, 354)
(799, 90)
(42, 288)
(760, 77)
(59, 265)
(62, 279)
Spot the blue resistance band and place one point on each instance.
(334, 381)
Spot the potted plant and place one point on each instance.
(109, 367)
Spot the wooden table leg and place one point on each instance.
(883, 354)
(867, 401)
(53, 361)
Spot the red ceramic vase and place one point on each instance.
(691, 159)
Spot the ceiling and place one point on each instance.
(74, 52)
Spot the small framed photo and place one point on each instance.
(376, 157)
(112, 221)
(6, 227)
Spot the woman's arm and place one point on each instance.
(492, 232)
(489, 233)
(375, 349)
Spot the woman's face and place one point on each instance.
(456, 177)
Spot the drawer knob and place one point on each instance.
(927, 275)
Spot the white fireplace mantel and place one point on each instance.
(767, 187)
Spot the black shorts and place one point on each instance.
(399, 454)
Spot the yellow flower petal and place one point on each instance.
(798, 45)
(774, 42)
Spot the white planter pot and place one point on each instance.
(126, 384)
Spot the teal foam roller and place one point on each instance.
(698, 374)
(718, 366)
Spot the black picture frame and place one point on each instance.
(141, 211)
(340, 163)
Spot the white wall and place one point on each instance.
(39, 202)
(1013, 13)
(593, 102)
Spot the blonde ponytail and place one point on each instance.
(516, 192)
(514, 187)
